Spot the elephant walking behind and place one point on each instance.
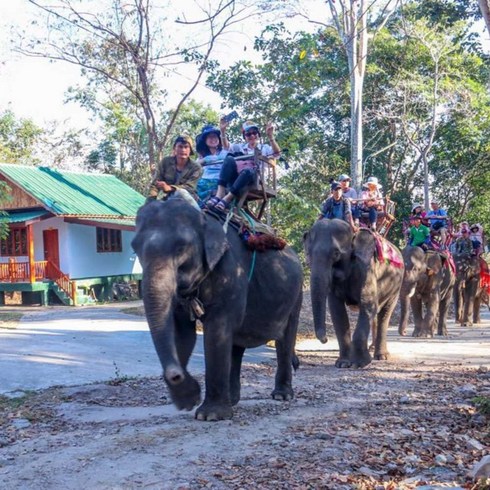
(427, 287)
(189, 263)
(346, 269)
(468, 293)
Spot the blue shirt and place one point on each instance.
(439, 222)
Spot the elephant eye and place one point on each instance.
(336, 255)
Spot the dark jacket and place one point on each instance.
(328, 207)
(167, 171)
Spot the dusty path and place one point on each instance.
(399, 424)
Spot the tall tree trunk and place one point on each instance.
(485, 11)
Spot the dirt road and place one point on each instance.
(399, 424)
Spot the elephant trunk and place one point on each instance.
(160, 295)
(321, 281)
(407, 291)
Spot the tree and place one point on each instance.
(18, 139)
(485, 11)
(125, 50)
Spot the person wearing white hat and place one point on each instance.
(371, 200)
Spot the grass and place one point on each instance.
(482, 404)
(9, 319)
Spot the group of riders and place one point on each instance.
(223, 172)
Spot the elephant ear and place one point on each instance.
(215, 242)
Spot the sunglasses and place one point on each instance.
(251, 133)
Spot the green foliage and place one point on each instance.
(482, 403)
(18, 138)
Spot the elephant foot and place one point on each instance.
(342, 363)
(442, 332)
(371, 347)
(381, 356)
(283, 393)
(402, 332)
(187, 394)
(467, 324)
(361, 362)
(423, 334)
(212, 412)
(321, 335)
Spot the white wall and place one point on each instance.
(78, 251)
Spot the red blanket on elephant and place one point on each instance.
(387, 252)
(484, 275)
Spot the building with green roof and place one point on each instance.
(69, 235)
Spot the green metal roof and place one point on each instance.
(111, 223)
(71, 193)
(10, 217)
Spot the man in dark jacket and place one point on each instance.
(338, 206)
(177, 176)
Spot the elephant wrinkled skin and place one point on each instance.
(428, 283)
(185, 254)
(345, 269)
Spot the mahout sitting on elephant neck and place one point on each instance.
(345, 270)
(186, 254)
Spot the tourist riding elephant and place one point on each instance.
(467, 290)
(346, 269)
(192, 268)
(427, 284)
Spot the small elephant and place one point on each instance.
(467, 290)
(245, 300)
(345, 269)
(428, 283)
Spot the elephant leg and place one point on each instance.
(218, 346)
(380, 342)
(341, 325)
(286, 357)
(416, 304)
(476, 309)
(443, 311)
(431, 311)
(360, 356)
(374, 334)
(236, 367)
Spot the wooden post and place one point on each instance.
(30, 245)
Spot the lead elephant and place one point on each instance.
(427, 285)
(345, 268)
(246, 300)
(467, 290)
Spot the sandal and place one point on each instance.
(222, 205)
(211, 203)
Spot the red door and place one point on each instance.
(51, 252)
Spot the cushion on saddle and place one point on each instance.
(448, 260)
(386, 252)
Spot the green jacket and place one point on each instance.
(167, 171)
(419, 235)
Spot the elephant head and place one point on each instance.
(328, 247)
(177, 247)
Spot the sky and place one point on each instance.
(35, 88)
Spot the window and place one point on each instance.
(108, 240)
(15, 244)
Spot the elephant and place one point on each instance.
(192, 268)
(345, 269)
(428, 283)
(467, 291)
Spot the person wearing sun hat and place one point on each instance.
(238, 175)
(371, 200)
(211, 154)
(177, 175)
(476, 237)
